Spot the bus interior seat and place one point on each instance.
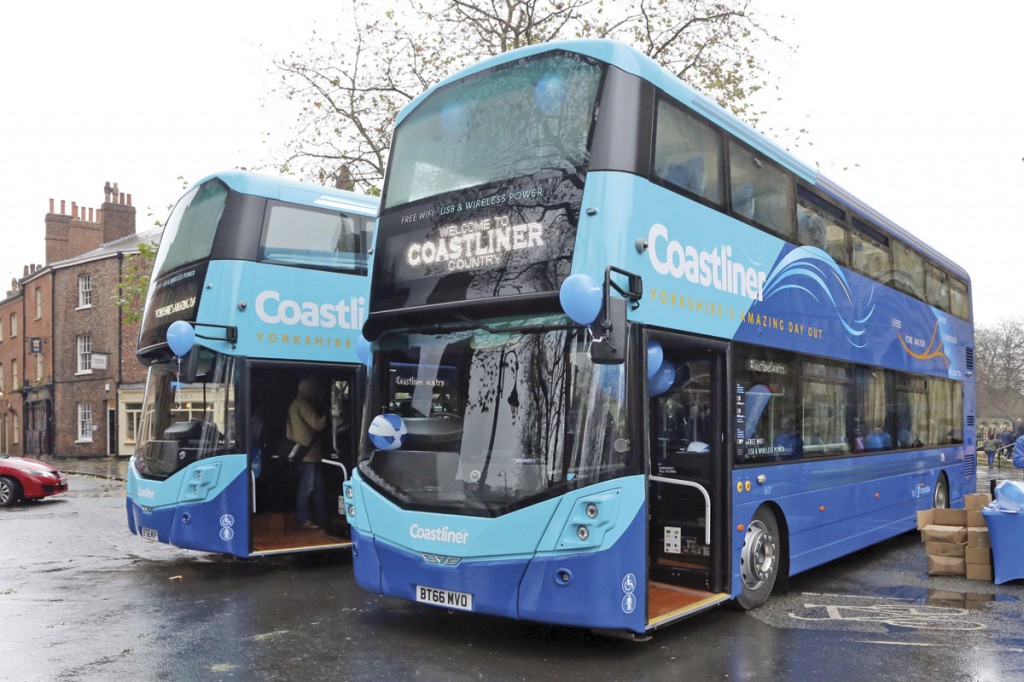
(811, 229)
(689, 174)
(743, 200)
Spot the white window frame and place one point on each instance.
(83, 352)
(39, 303)
(84, 423)
(84, 291)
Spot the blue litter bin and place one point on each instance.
(1006, 530)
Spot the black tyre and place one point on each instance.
(941, 499)
(759, 560)
(10, 491)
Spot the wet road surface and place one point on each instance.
(83, 599)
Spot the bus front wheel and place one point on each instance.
(759, 561)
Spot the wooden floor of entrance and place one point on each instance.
(668, 602)
(277, 533)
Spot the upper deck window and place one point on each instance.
(519, 119)
(761, 191)
(295, 235)
(870, 253)
(908, 270)
(190, 231)
(688, 153)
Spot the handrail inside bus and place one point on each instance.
(344, 471)
(707, 501)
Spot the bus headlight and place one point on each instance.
(591, 510)
(583, 533)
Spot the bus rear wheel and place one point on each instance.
(941, 500)
(759, 560)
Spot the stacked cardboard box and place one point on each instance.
(945, 537)
(978, 555)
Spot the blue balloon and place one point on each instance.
(364, 351)
(655, 356)
(580, 298)
(181, 337)
(662, 379)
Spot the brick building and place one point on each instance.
(71, 385)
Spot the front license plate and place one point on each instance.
(449, 599)
(148, 533)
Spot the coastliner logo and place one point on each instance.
(147, 493)
(713, 268)
(442, 534)
(346, 314)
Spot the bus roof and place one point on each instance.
(631, 60)
(295, 192)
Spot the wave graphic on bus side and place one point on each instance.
(813, 271)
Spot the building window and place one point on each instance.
(84, 291)
(15, 377)
(132, 418)
(2, 387)
(14, 325)
(39, 303)
(84, 354)
(84, 422)
(39, 367)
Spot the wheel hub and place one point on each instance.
(759, 554)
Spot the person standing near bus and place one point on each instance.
(306, 422)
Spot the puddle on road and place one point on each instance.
(947, 598)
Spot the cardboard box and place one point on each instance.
(946, 565)
(945, 549)
(977, 502)
(978, 537)
(950, 534)
(979, 572)
(978, 556)
(941, 517)
(975, 519)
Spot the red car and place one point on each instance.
(22, 478)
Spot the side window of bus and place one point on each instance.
(936, 288)
(761, 191)
(870, 256)
(873, 411)
(688, 153)
(959, 301)
(825, 391)
(816, 228)
(768, 383)
(908, 270)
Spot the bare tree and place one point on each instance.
(999, 365)
(349, 89)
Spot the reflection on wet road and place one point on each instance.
(83, 599)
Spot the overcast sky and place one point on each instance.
(917, 110)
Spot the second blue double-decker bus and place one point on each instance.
(271, 279)
(632, 360)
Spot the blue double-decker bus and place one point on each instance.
(631, 360)
(270, 280)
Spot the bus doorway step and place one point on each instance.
(666, 603)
